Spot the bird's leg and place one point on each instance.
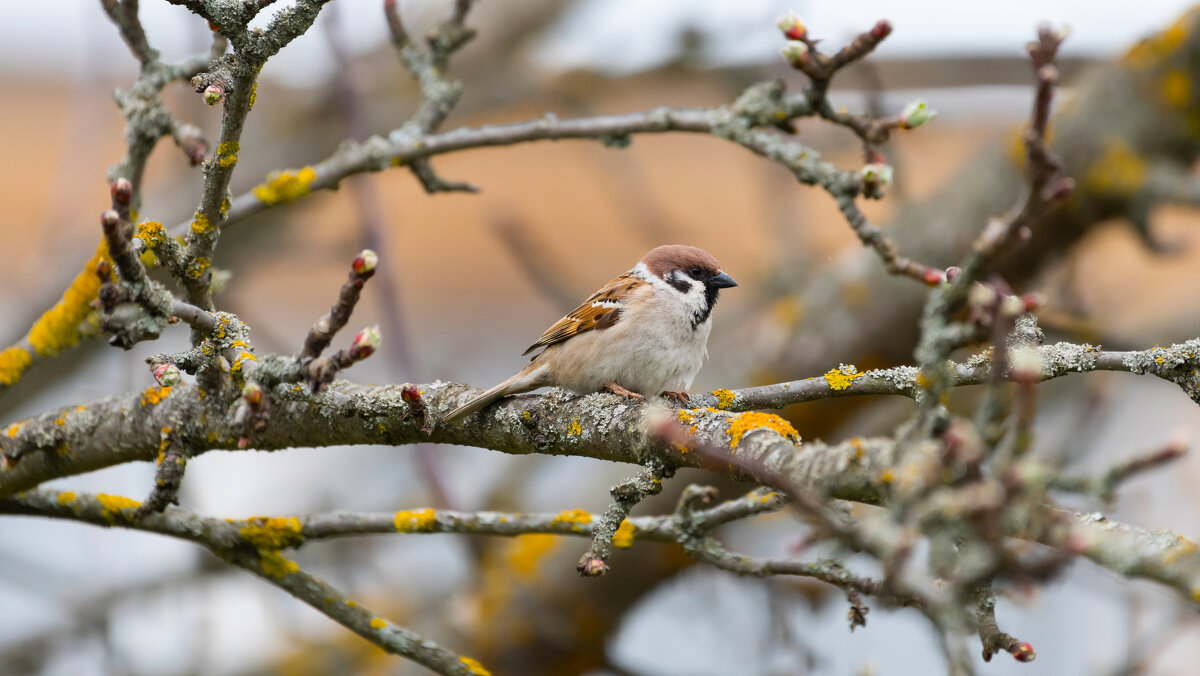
(616, 389)
(680, 398)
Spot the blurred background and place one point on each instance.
(467, 281)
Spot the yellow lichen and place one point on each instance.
(197, 267)
(66, 498)
(58, 328)
(285, 186)
(275, 532)
(112, 505)
(745, 423)
(887, 476)
(575, 517)
(574, 429)
(724, 398)
(842, 377)
(253, 96)
(351, 604)
(474, 667)
(419, 521)
(1181, 547)
(227, 153)
(13, 429)
(151, 233)
(527, 415)
(201, 224)
(378, 623)
(275, 564)
(623, 538)
(1157, 47)
(527, 550)
(154, 395)
(1177, 88)
(1117, 172)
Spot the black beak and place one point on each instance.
(721, 281)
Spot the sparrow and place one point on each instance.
(643, 333)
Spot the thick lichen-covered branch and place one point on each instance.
(253, 545)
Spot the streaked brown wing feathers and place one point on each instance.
(600, 311)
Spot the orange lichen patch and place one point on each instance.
(1117, 172)
(351, 604)
(623, 538)
(1177, 88)
(237, 363)
(154, 395)
(574, 429)
(58, 328)
(1154, 49)
(745, 423)
(527, 550)
(857, 444)
(474, 667)
(841, 377)
(253, 96)
(419, 521)
(274, 564)
(66, 497)
(227, 153)
(378, 623)
(921, 380)
(112, 505)
(724, 398)
(272, 532)
(13, 429)
(887, 476)
(285, 186)
(575, 517)
(768, 497)
(62, 419)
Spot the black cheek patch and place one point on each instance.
(681, 285)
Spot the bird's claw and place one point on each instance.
(616, 389)
(680, 398)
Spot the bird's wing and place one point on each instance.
(598, 312)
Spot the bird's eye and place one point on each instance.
(696, 271)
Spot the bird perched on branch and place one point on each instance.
(643, 333)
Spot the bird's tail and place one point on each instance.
(529, 378)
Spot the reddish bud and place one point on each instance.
(243, 442)
(1060, 189)
(109, 220)
(952, 273)
(122, 191)
(366, 342)
(934, 277)
(365, 262)
(881, 29)
(877, 174)
(1024, 653)
(410, 394)
(252, 393)
(167, 375)
(213, 94)
(792, 27)
(104, 270)
(1034, 301)
(592, 567)
(795, 52)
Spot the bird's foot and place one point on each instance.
(680, 398)
(616, 389)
